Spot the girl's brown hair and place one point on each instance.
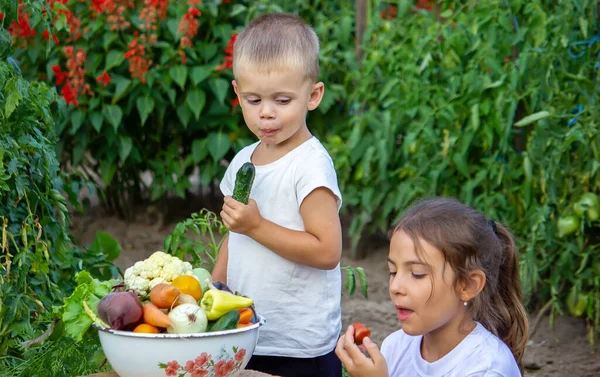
(470, 241)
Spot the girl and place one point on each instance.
(454, 281)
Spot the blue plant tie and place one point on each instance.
(577, 111)
(590, 42)
(517, 28)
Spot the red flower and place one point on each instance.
(228, 63)
(103, 78)
(235, 103)
(229, 366)
(220, 369)
(239, 356)
(230, 44)
(193, 2)
(202, 359)
(45, 35)
(199, 373)
(388, 14)
(424, 4)
(197, 367)
(1, 16)
(172, 368)
(69, 96)
(60, 75)
(189, 27)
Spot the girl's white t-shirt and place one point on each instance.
(301, 304)
(480, 354)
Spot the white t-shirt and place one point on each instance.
(480, 354)
(301, 304)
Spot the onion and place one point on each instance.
(185, 299)
(187, 319)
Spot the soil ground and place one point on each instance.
(562, 350)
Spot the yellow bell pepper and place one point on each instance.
(217, 303)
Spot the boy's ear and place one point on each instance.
(472, 285)
(316, 96)
(235, 87)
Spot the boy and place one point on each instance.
(284, 247)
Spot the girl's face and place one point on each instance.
(422, 287)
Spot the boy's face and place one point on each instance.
(274, 104)
(422, 287)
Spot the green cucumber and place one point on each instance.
(227, 322)
(243, 182)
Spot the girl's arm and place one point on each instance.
(219, 272)
(319, 246)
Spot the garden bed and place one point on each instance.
(562, 351)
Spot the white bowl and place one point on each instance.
(219, 353)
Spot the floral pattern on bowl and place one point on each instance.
(206, 365)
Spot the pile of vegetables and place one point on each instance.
(161, 294)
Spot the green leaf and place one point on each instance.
(77, 118)
(113, 59)
(362, 278)
(475, 116)
(113, 114)
(199, 150)
(61, 22)
(145, 106)
(184, 114)
(60, 6)
(10, 8)
(88, 290)
(125, 144)
(14, 97)
(350, 281)
(237, 9)
(5, 44)
(218, 145)
(195, 100)
(200, 73)
(78, 152)
(532, 118)
(179, 75)
(122, 84)
(219, 86)
(107, 171)
(97, 120)
(104, 244)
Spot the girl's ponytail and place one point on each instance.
(510, 320)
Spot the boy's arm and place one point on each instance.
(219, 272)
(319, 246)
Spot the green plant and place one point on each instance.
(37, 257)
(138, 95)
(208, 234)
(143, 88)
(493, 103)
(204, 224)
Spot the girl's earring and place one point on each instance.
(466, 303)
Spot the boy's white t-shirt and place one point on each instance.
(480, 354)
(301, 304)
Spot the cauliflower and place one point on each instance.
(160, 267)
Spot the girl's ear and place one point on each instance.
(472, 285)
(316, 96)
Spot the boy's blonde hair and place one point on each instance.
(277, 41)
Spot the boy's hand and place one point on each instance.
(357, 363)
(240, 218)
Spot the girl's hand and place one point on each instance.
(357, 363)
(240, 218)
